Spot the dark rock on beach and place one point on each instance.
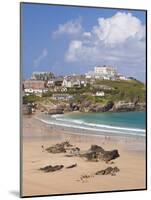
(108, 171)
(110, 155)
(50, 168)
(74, 151)
(96, 153)
(96, 148)
(72, 166)
(59, 148)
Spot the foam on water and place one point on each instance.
(99, 128)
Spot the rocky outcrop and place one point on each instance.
(85, 106)
(55, 111)
(110, 155)
(123, 106)
(108, 106)
(140, 106)
(97, 149)
(95, 107)
(67, 108)
(74, 106)
(50, 108)
(88, 106)
(72, 151)
(108, 171)
(64, 147)
(58, 148)
(71, 166)
(50, 168)
(27, 110)
(96, 153)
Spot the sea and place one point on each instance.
(113, 123)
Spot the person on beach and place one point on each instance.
(43, 149)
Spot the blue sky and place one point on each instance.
(68, 40)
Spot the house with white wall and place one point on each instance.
(100, 94)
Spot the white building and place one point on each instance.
(70, 82)
(121, 77)
(29, 90)
(63, 97)
(100, 94)
(51, 83)
(105, 70)
(67, 83)
(35, 91)
(102, 72)
(84, 83)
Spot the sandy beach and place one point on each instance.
(35, 182)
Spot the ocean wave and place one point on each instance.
(98, 128)
(99, 125)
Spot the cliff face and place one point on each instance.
(87, 106)
(120, 106)
(128, 106)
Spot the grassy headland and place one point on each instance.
(129, 91)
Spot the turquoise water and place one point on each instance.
(127, 123)
(121, 119)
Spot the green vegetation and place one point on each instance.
(129, 91)
(79, 91)
(47, 94)
(30, 99)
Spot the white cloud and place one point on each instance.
(118, 40)
(87, 34)
(119, 28)
(72, 27)
(72, 55)
(43, 54)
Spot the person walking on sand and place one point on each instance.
(43, 149)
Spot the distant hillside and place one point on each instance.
(118, 95)
(131, 90)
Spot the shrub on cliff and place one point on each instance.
(30, 99)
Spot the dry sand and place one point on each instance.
(34, 182)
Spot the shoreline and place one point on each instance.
(72, 132)
(83, 127)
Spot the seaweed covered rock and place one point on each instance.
(91, 156)
(73, 151)
(108, 171)
(96, 153)
(110, 155)
(50, 168)
(96, 148)
(59, 148)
